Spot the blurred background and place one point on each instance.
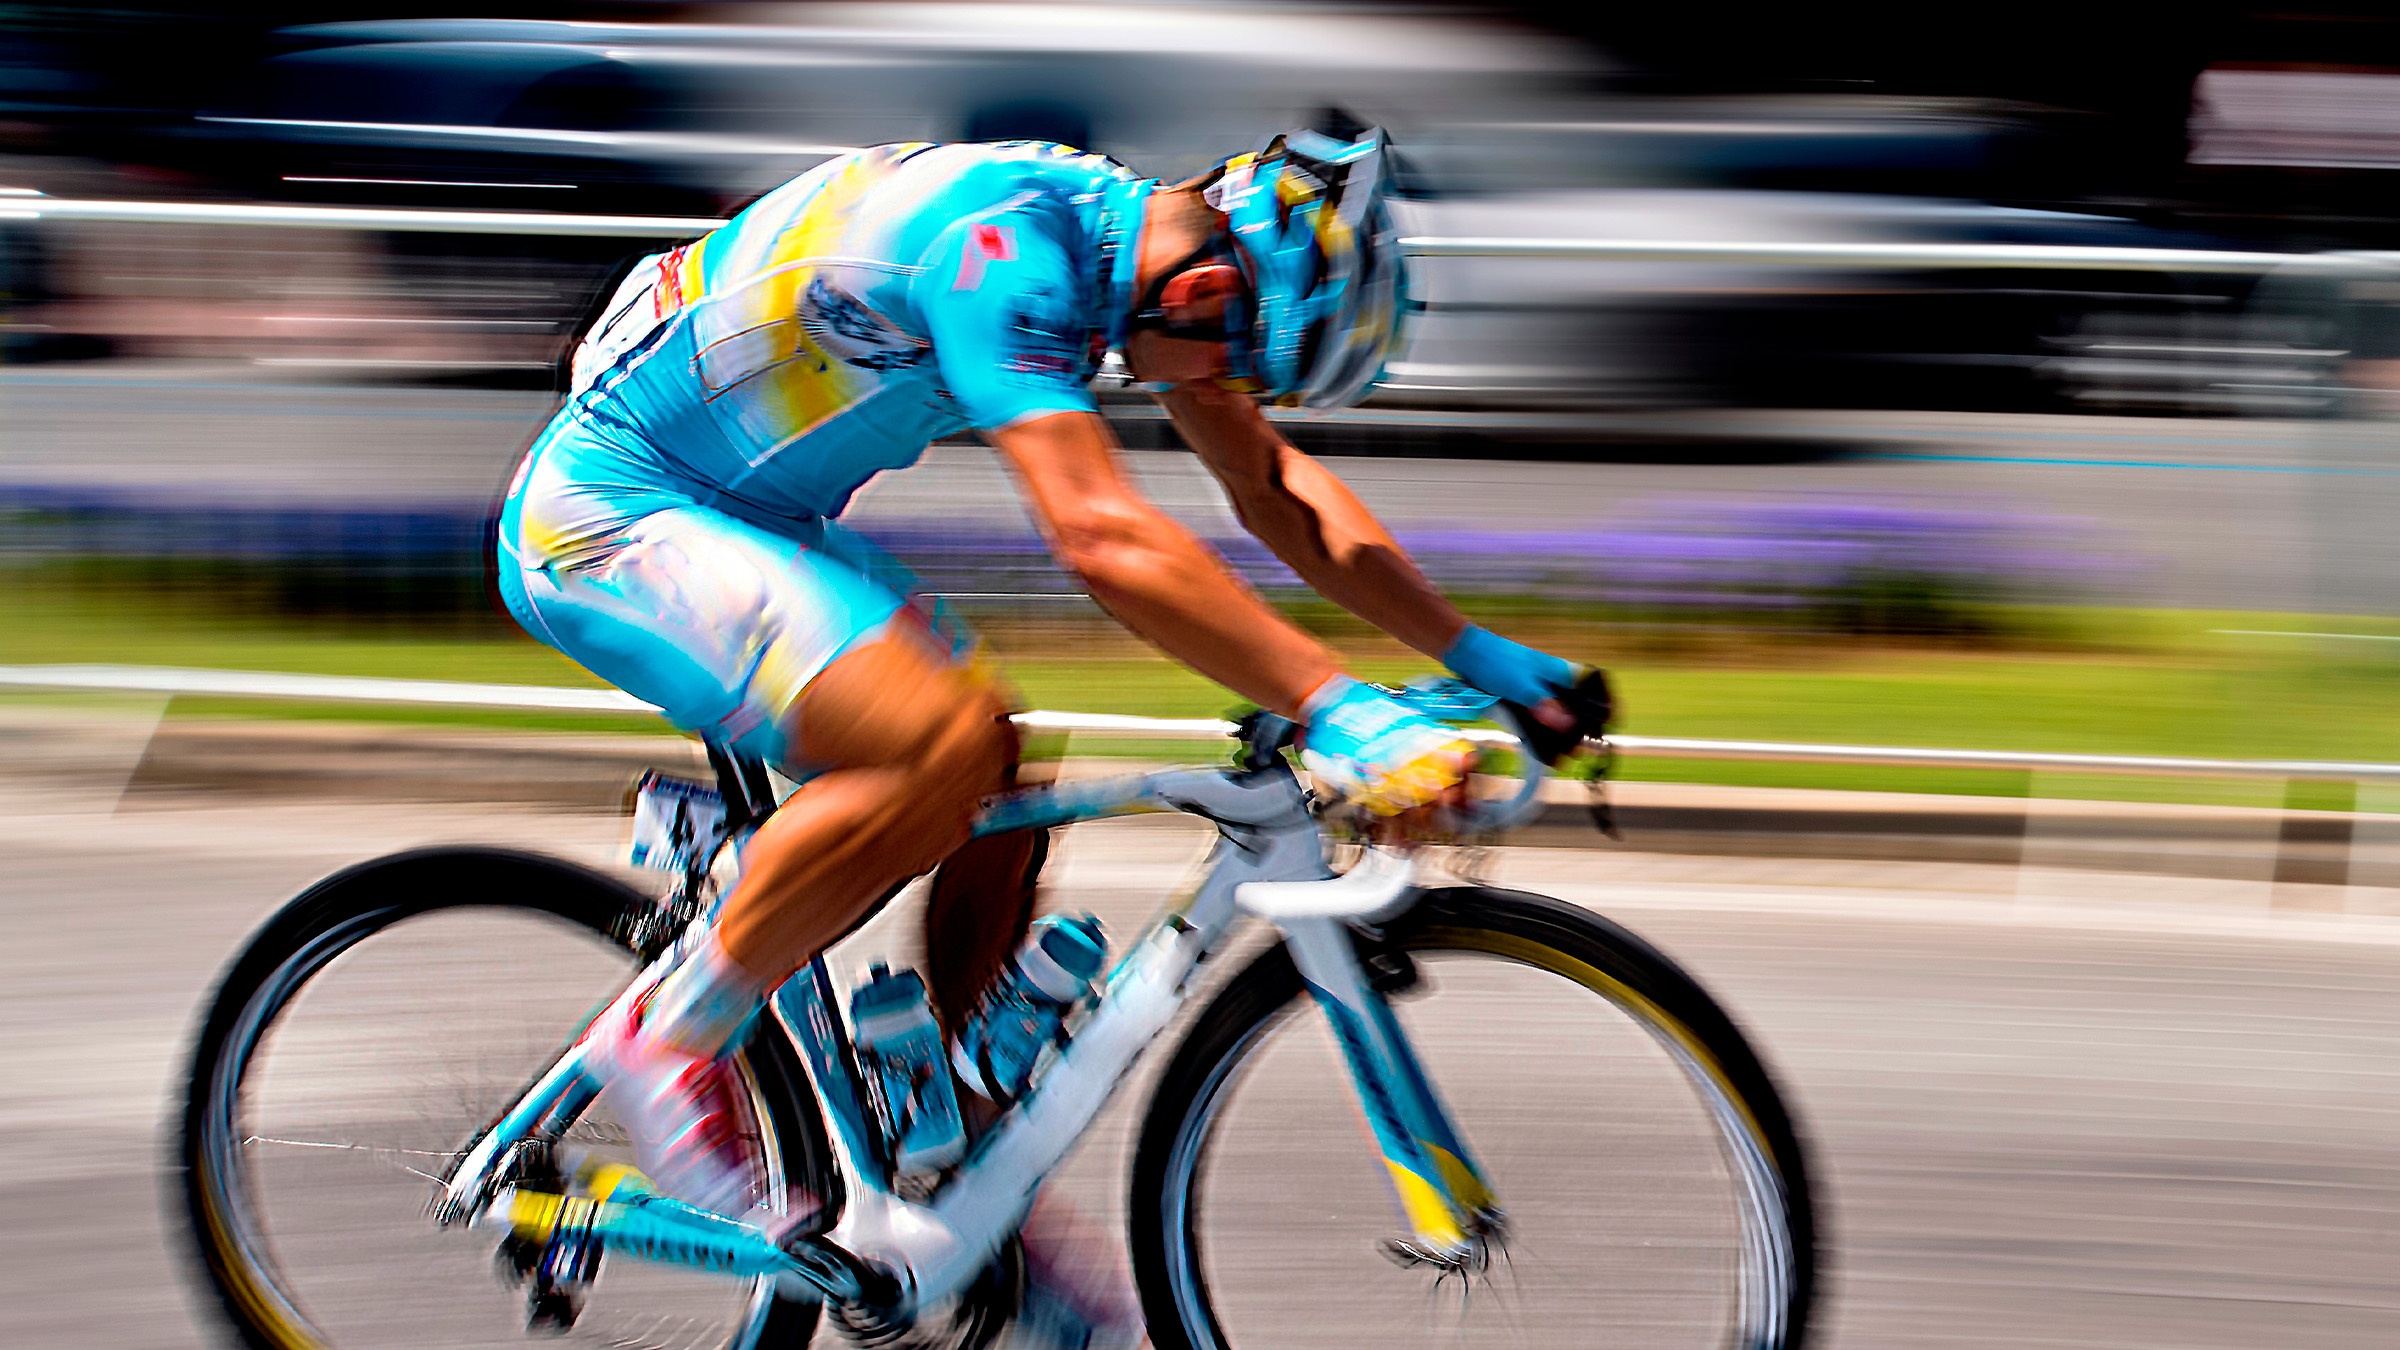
(1762, 433)
(2018, 378)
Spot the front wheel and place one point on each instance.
(1654, 1188)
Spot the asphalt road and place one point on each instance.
(2217, 513)
(2140, 1124)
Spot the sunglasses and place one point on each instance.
(1232, 326)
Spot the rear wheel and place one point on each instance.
(363, 1038)
(1654, 1188)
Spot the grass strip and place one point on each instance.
(2135, 682)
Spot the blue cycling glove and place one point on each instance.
(1511, 670)
(1378, 752)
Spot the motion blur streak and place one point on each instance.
(2141, 1121)
(1830, 380)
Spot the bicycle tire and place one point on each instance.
(1173, 1154)
(332, 917)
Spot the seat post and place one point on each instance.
(742, 781)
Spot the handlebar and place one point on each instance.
(1592, 703)
(1265, 735)
(1506, 813)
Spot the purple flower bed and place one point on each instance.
(1875, 566)
(1870, 565)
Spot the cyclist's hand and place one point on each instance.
(1520, 674)
(1568, 703)
(1378, 753)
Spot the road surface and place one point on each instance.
(2083, 1124)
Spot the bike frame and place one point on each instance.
(1268, 861)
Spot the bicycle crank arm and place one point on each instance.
(639, 1222)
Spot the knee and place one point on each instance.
(972, 746)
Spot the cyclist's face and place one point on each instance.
(1195, 301)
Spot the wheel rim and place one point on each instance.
(1768, 1269)
(1765, 1276)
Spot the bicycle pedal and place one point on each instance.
(525, 1163)
(552, 1311)
(516, 1260)
(556, 1272)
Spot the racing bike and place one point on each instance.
(1566, 1140)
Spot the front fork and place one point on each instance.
(1442, 1194)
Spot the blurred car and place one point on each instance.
(1649, 334)
(696, 117)
(1505, 132)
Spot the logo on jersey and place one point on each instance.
(667, 297)
(985, 244)
(1045, 337)
(1047, 364)
(844, 328)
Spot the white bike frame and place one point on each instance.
(1268, 861)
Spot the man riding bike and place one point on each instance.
(671, 530)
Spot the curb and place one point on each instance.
(590, 773)
(561, 771)
(2259, 843)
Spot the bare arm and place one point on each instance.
(1311, 519)
(1155, 576)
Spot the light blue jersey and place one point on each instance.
(850, 318)
(670, 528)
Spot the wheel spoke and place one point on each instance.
(379, 1152)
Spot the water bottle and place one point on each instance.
(900, 1052)
(1025, 1014)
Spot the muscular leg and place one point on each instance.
(977, 912)
(913, 742)
(721, 622)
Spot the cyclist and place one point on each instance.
(671, 529)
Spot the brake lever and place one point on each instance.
(1264, 736)
(1604, 812)
(1590, 701)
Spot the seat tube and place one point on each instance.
(1442, 1193)
(807, 1005)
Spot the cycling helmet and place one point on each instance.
(1308, 226)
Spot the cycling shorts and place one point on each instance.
(721, 620)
